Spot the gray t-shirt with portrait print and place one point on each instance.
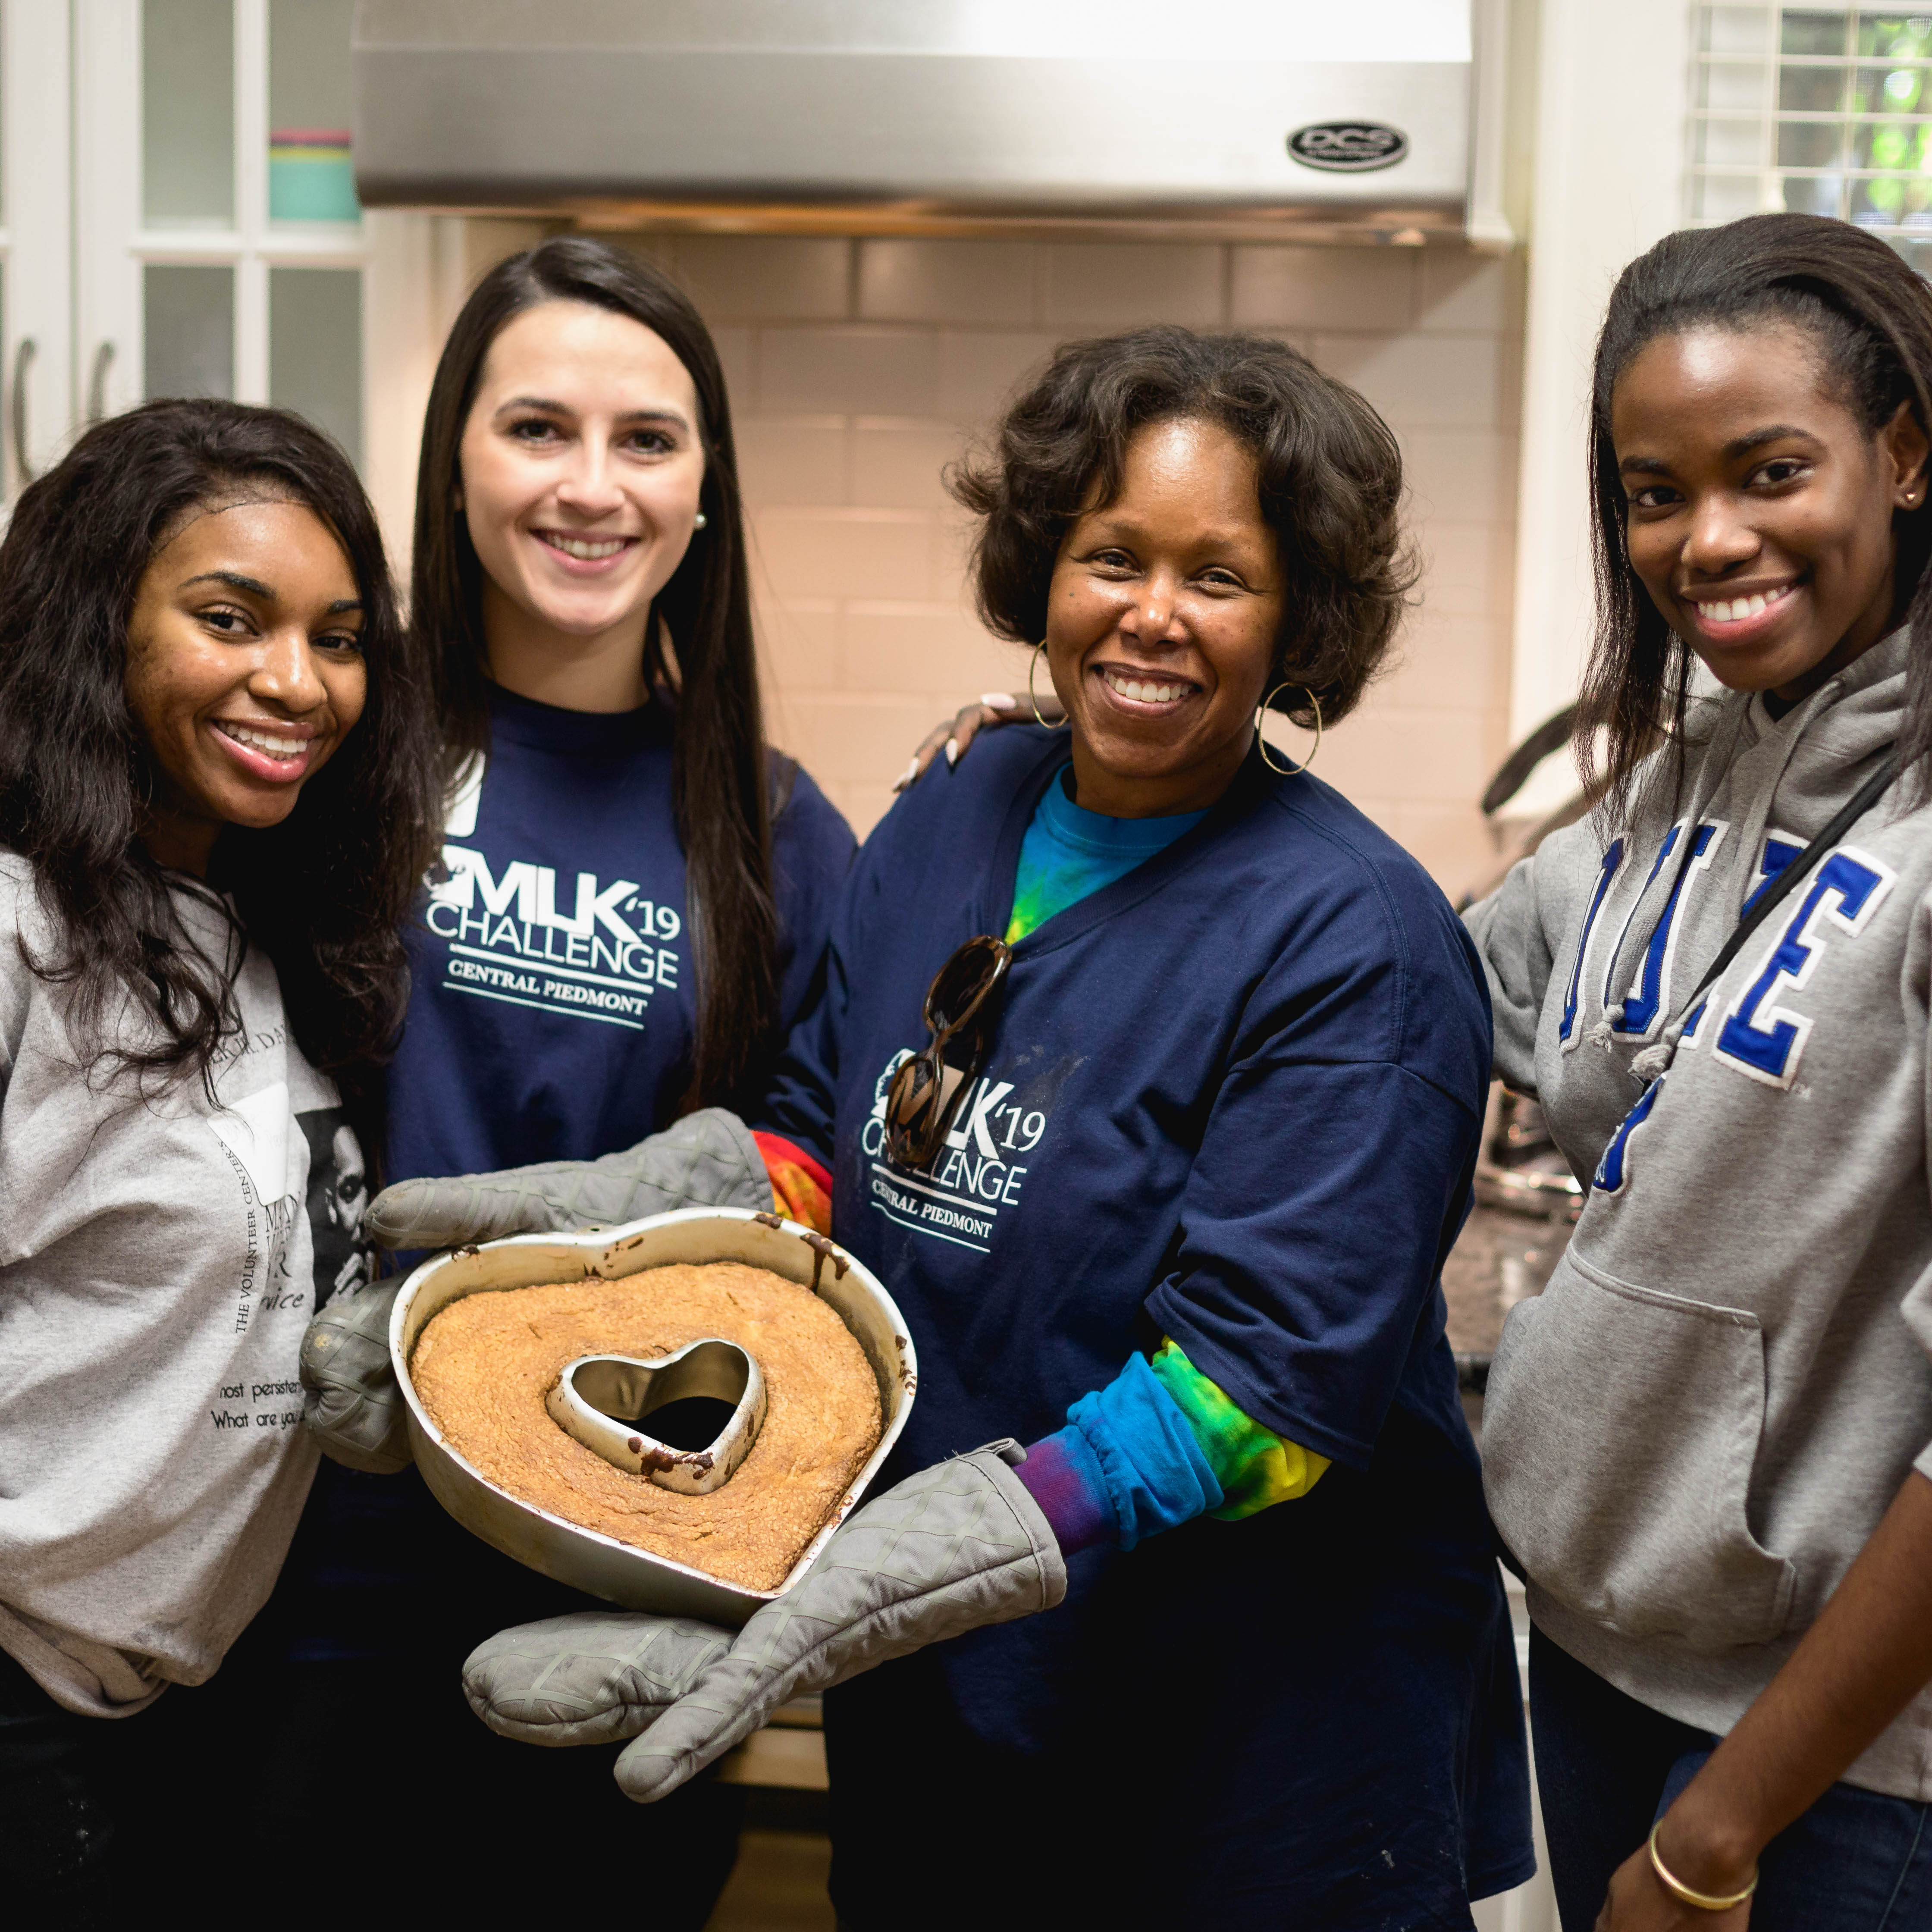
(160, 1257)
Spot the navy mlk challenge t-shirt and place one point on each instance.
(555, 1000)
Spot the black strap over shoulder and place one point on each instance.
(1787, 881)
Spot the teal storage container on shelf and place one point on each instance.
(311, 177)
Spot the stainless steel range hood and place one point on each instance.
(1302, 118)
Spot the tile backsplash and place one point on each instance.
(858, 369)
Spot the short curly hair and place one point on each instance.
(1328, 470)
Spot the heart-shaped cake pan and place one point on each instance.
(606, 1402)
(586, 1559)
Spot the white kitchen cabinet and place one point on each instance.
(180, 212)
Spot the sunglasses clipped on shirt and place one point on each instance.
(926, 1090)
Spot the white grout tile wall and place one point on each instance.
(859, 368)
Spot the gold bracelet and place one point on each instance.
(1705, 1901)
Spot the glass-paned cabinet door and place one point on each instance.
(187, 329)
(315, 348)
(220, 243)
(188, 114)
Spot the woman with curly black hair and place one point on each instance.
(218, 774)
(1139, 1047)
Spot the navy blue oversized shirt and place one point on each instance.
(1233, 1097)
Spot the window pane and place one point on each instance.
(188, 113)
(189, 323)
(1725, 197)
(1893, 90)
(1724, 84)
(1807, 144)
(1736, 30)
(1812, 194)
(1732, 142)
(1814, 33)
(1892, 204)
(1893, 144)
(1810, 90)
(315, 348)
(1903, 36)
(310, 175)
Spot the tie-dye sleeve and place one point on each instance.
(1255, 1468)
(1160, 1445)
(800, 1185)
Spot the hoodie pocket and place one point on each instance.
(1619, 1434)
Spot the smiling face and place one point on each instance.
(1162, 619)
(1760, 507)
(580, 465)
(245, 670)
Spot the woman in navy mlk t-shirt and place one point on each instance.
(1226, 1107)
(579, 563)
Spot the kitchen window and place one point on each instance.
(1821, 110)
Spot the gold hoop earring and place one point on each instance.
(1033, 665)
(1315, 704)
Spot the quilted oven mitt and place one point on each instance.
(954, 1547)
(707, 1159)
(349, 1395)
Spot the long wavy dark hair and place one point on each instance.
(324, 893)
(718, 779)
(1871, 317)
(1328, 472)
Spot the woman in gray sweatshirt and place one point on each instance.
(1708, 1443)
(218, 767)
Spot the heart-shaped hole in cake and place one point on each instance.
(684, 1421)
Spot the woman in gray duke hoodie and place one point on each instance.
(1708, 1443)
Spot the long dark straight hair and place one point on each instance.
(324, 893)
(1871, 317)
(718, 763)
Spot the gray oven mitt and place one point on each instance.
(707, 1159)
(958, 1545)
(349, 1395)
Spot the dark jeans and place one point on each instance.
(57, 1843)
(364, 1731)
(935, 1828)
(319, 1793)
(1608, 1766)
(97, 1815)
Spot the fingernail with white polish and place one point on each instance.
(906, 777)
(952, 751)
(999, 700)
